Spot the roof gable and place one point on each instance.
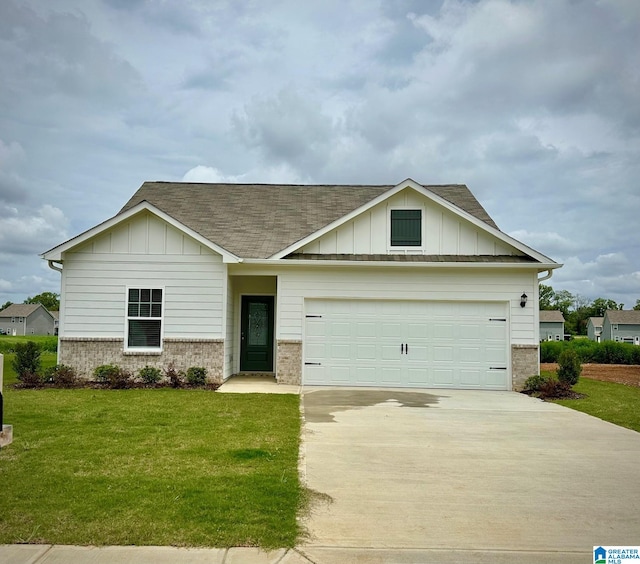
(21, 310)
(100, 234)
(492, 240)
(623, 317)
(551, 316)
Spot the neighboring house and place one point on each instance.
(622, 326)
(403, 286)
(56, 321)
(594, 328)
(26, 319)
(551, 325)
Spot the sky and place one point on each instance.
(533, 104)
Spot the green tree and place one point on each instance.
(5, 305)
(600, 305)
(637, 306)
(48, 299)
(546, 297)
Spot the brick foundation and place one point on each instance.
(289, 362)
(85, 354)
(524, 363)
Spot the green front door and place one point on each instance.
(256, 343)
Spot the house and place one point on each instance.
(621, 326)
(551, 325)
(56, 321)
(403, 286)
(26, 319)
(594, 328)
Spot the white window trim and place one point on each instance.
(417, 249)
(142, 350)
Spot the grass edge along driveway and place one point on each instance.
(150, 467)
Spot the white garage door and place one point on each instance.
(406, 344)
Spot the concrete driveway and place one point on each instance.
(464, 476)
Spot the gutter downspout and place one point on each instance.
(545, 277)
(53, 267)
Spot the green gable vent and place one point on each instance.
(406, 228)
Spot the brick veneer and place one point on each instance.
(84, 354)
(524, 363)
(289, 362)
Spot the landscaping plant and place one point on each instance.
(150, 375)
(569, 367)
(26, 362)
(197, 376)
(62, 376)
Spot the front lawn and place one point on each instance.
(150, 467)
(615, 403)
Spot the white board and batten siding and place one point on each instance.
(444, 233)
(147, 253)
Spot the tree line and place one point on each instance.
(576, 309)
(49, 300)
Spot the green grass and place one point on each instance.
(150, 467)
(615, 403)
(47, 343)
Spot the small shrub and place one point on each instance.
(113, 376)
(569, 367)
(554, 389)
(197, 376)
(30, 379)
(175, 376)
(150, 375)
(62, 375)
(26, 363)
(535, 383)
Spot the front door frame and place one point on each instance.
(247, 364)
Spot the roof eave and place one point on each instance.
(540, 267)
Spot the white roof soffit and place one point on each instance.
(409, 183)
(55, 254)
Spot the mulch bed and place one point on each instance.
(629, 375)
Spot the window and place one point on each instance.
(13, 320)
(144, 318)
(406, 228)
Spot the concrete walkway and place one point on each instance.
(249, 384)
(57, 554)
(464, 476)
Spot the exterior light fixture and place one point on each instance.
(523, 300)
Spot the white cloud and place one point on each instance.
(23, 234)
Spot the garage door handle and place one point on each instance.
(497, 368)
(313, 364)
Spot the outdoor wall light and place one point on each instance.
(523, 300)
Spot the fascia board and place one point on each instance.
(55, 254)
(540, 267)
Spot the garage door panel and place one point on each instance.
(391, 375)
(366, 352)
(341, 352)
(449, 344)
(366, 375)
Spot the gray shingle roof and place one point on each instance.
(19, 310)
(627, 316)
(596, 321)
(258, 220)
(551, 316)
